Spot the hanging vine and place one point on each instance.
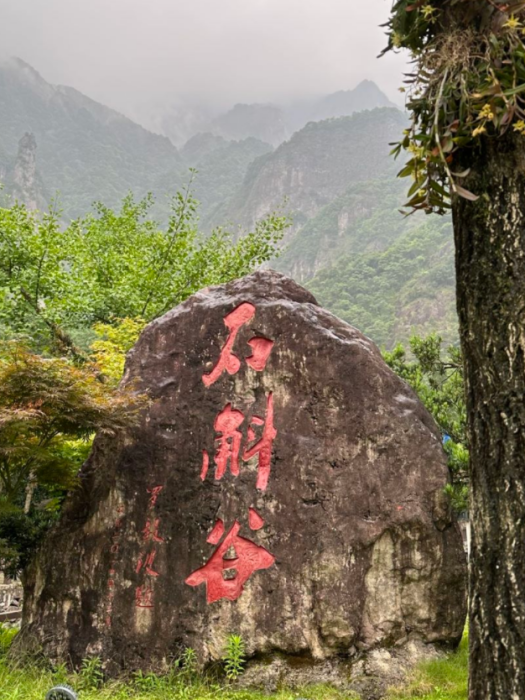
(468, 83)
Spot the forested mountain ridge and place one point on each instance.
(388, 275)
(272, 123)
(317, 165)
(86, 151)
(346, 102)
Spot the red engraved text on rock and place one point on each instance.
(254, 519)
(229, 441)
(263, 447)
(236, 558)
(227, 425)
(261, 349)
(216, 534)
(249, 558)
(144, 593)
(228, 362)
(144, 596)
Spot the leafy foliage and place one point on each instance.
(47, 406)
(111, 265)
(391, 293)
(439, 382)
(91, 675)
(21, 534)
(234, 657)
(114, 341)
(468, 82)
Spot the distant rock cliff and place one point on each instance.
(20, 175)
(317, 165)
(27, 183)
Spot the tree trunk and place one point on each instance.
(30, 490)
(490, 266)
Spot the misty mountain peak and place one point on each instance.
(265, 122)
(366, 95)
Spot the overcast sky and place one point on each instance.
(127, 53)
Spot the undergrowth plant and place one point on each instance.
(234, 657)
(91, 675)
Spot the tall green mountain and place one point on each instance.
(346, 102)
(317, 165)
(86, 151)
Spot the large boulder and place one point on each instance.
(284, 485)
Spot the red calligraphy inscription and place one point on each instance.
(216, 534)
(249, 558)
(229, 441)
(205, 464)
(261, 349)
(229, 444)
(254, 519)
(154, 494)
(144, 596)
(147, 563)
(263, 447)
(151, 531)
(228, 362)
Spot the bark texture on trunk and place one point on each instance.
(490, 265)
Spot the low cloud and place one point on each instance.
(127, 53)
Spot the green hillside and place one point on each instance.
(393, 293)
(365, 218)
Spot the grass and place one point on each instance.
(445, 679)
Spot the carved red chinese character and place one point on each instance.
(151, 531)
(154, 494)
(264, 446)
(147, 563)
(144, 596)
(228, 362)
(254, 519)
(225, 577)
(229, 443)
(261, 349)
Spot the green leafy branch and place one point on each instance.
(468, 82)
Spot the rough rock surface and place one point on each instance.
(318, 534)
